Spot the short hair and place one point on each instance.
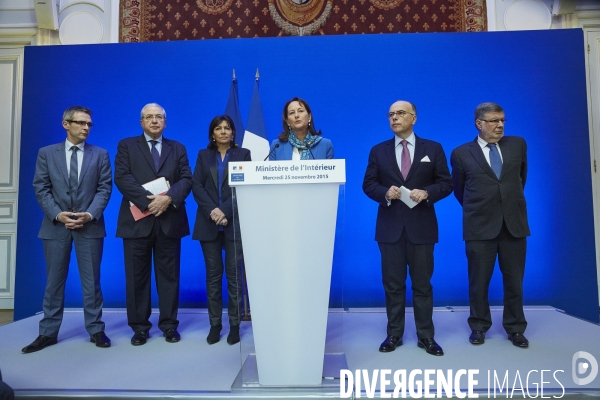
(485, 108)
(283, 136)
(68, 114)
(153, 104)
(216, 121)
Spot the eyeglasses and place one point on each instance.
(400, 113)
(159, 117)
(494, 121)
(81, 123)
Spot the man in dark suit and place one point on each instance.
(142, 159)
(411, 169)
(489, 176)
(72, 185)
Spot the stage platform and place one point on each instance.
(192, 369)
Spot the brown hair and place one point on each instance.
(283, 136)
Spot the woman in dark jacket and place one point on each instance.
(214, 224)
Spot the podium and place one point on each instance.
(287, 218)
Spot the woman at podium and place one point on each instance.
(214, 224)
(299, 139)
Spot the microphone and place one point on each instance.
(271, 152)
(308, 146)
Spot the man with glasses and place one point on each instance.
(406, 175)
(155, 234)
(72, 184)
(489, 176)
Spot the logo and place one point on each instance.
(237, 177)
(580, 368)
(236, 168)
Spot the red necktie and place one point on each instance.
(405, 159)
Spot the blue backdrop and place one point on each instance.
(350, 82)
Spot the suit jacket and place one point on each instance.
(420, 222)
(51, 186)
(133, 168)
(321, 151)
(487, 200)
(206, 192)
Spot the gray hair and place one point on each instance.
(69, 112)
(153, 104)
(485, 108)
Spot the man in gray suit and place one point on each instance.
(72, 184)
(489, 176)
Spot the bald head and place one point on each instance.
(402, 117)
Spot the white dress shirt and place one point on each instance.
(410, 146)
(158, 145)
(68, 152)
(486, 150)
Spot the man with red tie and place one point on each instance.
(408, 169)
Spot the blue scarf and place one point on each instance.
(309, 141)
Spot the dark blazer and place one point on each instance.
(420, 222)
(206, 193)
(487, 200)
(321, 151)
(133, 168)
(51, 186)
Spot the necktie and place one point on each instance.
(495, 160)
(73, 177)
(155, 155)
(405, 159)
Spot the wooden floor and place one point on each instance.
(6, 316)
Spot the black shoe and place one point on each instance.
(234, 335)
(390, 343)
(139, 338)
(39, 343)
(477, 337)
(214, 335)
(430, 346)
(172, 336)
(518, 339)
(100, 339)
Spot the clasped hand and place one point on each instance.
(218, 217)
(73, 220)
(417, 195)
(159, 204)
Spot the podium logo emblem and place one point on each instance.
(237, 177)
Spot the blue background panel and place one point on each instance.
(350, 82)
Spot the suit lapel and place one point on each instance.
(417, 157)
(390, 150)
(143, 146)
(477, 153)
(87, 159)
(233, 154)
(505, 149)
(164, 153)
(60, 158)
(213, 167)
